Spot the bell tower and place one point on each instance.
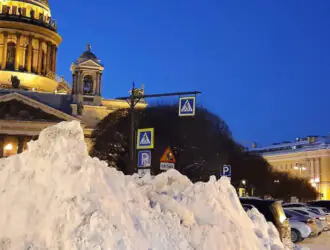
(87, 79)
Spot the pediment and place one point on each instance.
(90, 64)
(15, 106)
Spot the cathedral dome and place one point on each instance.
(28, 45)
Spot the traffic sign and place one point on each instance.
(168, 156)
(187, 106)
(142, 172)
(144, 159)
(145, 138)
(166, 166)
(225, 171)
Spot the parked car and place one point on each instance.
(322, 212)
(273, 212)
(308, 221)
(299, 231)
(320, 220)
(321, 209)
(294, 205)
(323, 203)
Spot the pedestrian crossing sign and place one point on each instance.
(145, 138)
(187, 106)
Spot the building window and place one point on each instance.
(88, 85)
(286, 166)
(11, 55)
(10, 146)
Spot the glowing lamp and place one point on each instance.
(8, 147)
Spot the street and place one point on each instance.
(318, 243)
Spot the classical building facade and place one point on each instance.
(32, 97)
(307, 158)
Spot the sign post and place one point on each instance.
(168, 160)
(136, 95)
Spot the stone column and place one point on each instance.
(99, 85)
(29, 55)
(39, 66)
(18, 51)
(80, 84)
(20, 144)
(312, 171)
(48, 61)
(1, 145)
(317, 167)
(73, 83)
(54, 59)
(23, 60)
(4, 57)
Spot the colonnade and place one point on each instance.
(40, 60)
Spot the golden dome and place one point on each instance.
(28, 45)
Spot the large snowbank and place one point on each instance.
(266, 231)
(54, 196)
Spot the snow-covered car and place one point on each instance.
(299, 231)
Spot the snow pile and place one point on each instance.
(54, 196)
(266, 232)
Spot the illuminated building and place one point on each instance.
(32, 97)
(307, 158)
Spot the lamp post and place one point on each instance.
(300, 168)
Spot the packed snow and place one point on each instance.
(266, 231)
(55, 196)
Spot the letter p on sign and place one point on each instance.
(226, 170)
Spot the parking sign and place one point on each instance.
(225, 170)
(144, 159)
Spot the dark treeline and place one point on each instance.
(201, 145)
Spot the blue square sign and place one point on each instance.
(187, 106)
(225, 170)
(144, 159)
(145, 138)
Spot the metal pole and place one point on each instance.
(132, 100)
(131, 169)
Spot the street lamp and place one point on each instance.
(314, 182)
(244, 182)
(300, 167)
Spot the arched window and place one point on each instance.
(88, 85)
(11, 55)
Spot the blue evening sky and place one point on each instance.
(262, 65)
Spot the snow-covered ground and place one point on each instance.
(318, 243)
(55, 196)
